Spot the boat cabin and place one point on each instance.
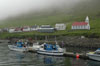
(50, 47)
(19, 44)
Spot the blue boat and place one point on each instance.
(50, 49)
(18, 47)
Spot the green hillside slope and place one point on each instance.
(76, 13)
(66, 15)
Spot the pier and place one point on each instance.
(76, 55)
(70, 54)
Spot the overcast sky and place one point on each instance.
(15, 7)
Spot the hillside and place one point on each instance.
(52, 16)
(61, 15)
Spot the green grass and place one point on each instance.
(77, 13)
(94, 23)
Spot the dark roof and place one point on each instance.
(46, 26)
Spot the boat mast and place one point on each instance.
(46, 38)
(56, 40)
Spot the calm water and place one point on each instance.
(12, 58)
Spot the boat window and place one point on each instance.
(97, 52)
(54, 47)
(41, 46)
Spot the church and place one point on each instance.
(81, 25)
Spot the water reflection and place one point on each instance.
(93, 63)
(51, 60)
(13, 58)
(20, 56)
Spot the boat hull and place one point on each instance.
(94, 57)
(15, 48)
(34, 48)
(55, 53)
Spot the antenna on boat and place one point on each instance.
(62, 43)
(35, 38)
(56, 40)
(46, 38)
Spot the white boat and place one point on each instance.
(35, 47)
(94, 55)
(50, 49)
(16, 48)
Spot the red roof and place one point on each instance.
(79, 23)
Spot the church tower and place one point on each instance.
(87, 21)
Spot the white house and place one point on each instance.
(81, 25)
(11, 30)
(26, 29)
(34, 28)
(60, 26)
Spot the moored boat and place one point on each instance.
(50, 49)
(35, 47)
(94, 55)
(19, 46)
(16, 48)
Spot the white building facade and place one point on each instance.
(11, 30)
(34, 28)
(26, 29)
(60, 26)
(81, 25)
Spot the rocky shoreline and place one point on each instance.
(77, 41)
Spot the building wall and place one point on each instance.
(28, 29)
(11, 30)
(81, 27)
(60, 26)
(46, 30)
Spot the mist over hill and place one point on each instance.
(60, 12)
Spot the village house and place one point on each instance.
(34, 28)
(46, 29)
(81, 25)
(26, 29)
(5, 30)
(18, 29)
(61, 26)
(1, 30)
(11, 30)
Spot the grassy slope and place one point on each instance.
(77, 13)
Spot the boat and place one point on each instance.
(18, 47)
(94, 55)
(35, 47)
(50, 49)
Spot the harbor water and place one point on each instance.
(13, 58)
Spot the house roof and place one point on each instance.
(60, 24)
(17, 29)
(79, 23)
(46, 26)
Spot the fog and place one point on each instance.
(10, 8)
